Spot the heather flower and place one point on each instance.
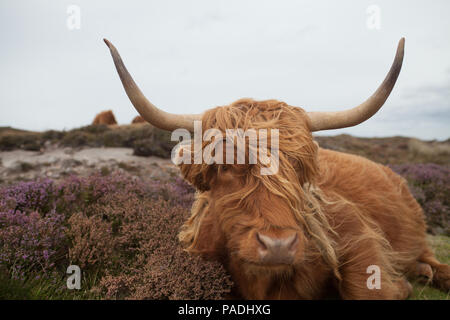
(30, 241)
(430, 185)
(29, 195)
(122, 228)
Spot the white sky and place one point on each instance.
(188, 56)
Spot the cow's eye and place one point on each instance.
(224, 168)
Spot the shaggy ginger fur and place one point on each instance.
(348, 212)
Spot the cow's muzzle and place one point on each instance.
(275, 250)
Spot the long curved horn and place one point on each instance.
(348, 118)
(148, 111)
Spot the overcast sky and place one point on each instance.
(188, 56)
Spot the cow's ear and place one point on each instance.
(201, 176)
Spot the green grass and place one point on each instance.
(441, 246)
(45, 289)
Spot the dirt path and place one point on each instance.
(59, 162)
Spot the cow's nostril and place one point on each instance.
(277, 250)
(261, 242)
(293, 242)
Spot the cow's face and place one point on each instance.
(256, 226)
(253, 220)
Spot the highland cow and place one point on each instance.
(322, 224)
(138, 119)
(105, 117)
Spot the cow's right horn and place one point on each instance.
(352, 117)
(155, 116)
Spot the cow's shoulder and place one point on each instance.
(348, 173)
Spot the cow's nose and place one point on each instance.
(277, 250)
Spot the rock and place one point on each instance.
(70, 151)
(70, 163)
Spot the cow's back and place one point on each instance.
(377, 192)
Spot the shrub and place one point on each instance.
(28, 196)
(152, 264)
(120, 230)
(30, 142)
(92, 241)
(30, 242)
(52, 135)
(145, 139)
(430, 185)
(77, 139)
(25, 166)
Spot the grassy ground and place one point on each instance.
(441, 246)
(43, 289)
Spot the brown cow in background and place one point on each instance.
(138, 119)
(323, 223)
(105, 117)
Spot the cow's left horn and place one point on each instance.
(148, 111)
(356, 115)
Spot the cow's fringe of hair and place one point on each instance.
(294, 182)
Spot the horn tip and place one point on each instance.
(401, 48)
(109, 44)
